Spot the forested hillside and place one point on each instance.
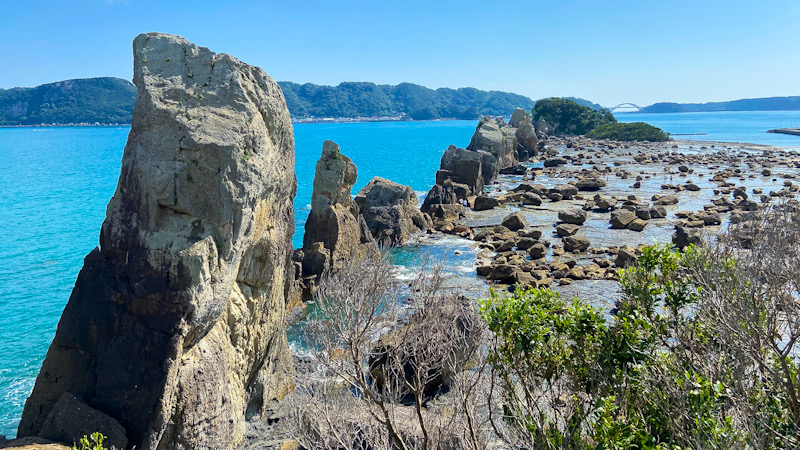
(362, 99)
(87, 100)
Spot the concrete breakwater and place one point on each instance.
(789, 131)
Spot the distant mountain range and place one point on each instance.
(109, 100)
(362, 99)
(748, 104)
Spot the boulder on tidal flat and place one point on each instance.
(576, 243)
(620, 218)
(573, 216)
(484, 203)
(514, 221)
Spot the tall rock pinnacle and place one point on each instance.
(175, 327)
(335, 228)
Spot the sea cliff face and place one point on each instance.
(175, 327)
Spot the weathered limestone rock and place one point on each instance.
(553, 162)
(683, 237)
(531, 199)
(390, 211)
(620, 218)
(626, 257)
(489, 138)
(590, 184)
(440, 194)
(514, 170)
(537, 251)
(567, 191)
(567, 229)
(175, 327)
(514, 221)
(526, 140)
(573, 216)
(464, 167)
(637, 224)
(72, 417)
(316, 260)
(573, 243)
(484, 203)
(605, 203)
(489, 167)
(658, 212)
(666, 200)
(499, 142)
(334, 219)
(543, 128)
(517, 117)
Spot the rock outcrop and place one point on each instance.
(390, 211)
(498, 141)
(460, 166)
(175, 327)
(495, 147)
(525, 133)
(334, 219)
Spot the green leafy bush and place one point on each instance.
(572, 378)
(568, 117)
(93, 442)
(636, 131)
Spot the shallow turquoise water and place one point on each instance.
(405, 152)
(55, 184)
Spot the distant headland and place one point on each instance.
(747, 104)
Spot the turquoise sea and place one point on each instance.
(55, 184)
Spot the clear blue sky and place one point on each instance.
(608, 51)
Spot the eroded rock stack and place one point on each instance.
(495, 147)
(335, 232)
(175, 327)
(390, 211)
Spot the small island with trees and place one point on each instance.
(567, 117)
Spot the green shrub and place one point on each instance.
(636, 131)
(570, 118)
(93, 442)
(574, 379)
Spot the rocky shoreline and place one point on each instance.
(568, 212)
(585, 208)
(546, 211)
(571, 211)
(175, 333)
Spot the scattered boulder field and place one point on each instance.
(584, 208)
(548, 211)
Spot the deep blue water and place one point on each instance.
(55, 184)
